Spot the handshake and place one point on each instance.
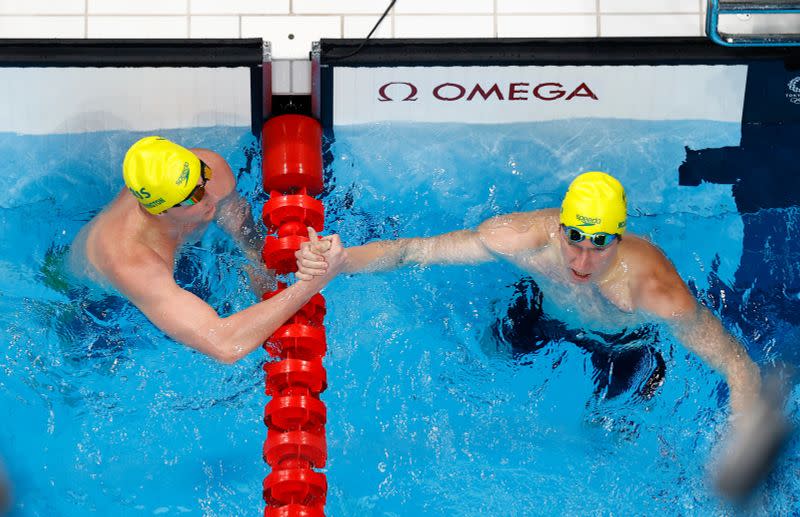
(320, 256)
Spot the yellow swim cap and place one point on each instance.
(595, 202)
(160, 173)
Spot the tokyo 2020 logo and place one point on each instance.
(794, 89)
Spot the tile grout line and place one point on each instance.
(494, 18)
(702, 20)
(597, 17)
(332, 15)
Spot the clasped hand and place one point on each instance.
(323, 256)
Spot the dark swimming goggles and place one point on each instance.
(198, 193)
(599, 240)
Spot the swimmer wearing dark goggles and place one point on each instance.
(198, 193)
(599, 240)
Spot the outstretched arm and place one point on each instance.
(459, 247)
(503, 236)
(667, 296)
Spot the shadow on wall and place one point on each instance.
(767, 194)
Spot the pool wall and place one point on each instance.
(291, 26)
(74, 86)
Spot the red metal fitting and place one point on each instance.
(295, 486)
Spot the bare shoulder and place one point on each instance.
(139, 273)
(224, 182)
(115, 249)
(518, 231)
(655, 284)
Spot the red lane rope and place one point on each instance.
(295, 416)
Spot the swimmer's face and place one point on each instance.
(586, 262)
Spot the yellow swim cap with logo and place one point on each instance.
(595, 202)
(160, 173)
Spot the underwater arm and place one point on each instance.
(233, 212)
(703, 333)
(235, 217)
(237, 220)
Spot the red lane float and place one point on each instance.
(292, 154)
(295, 417)
(295, 374)
(295, 486)
(294, 510)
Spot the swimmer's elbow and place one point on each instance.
(226, 358)
(224, 352)
(228, 354)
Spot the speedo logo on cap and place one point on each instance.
(184, 177)
(587, 221)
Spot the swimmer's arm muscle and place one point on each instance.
(459, 247)
(191, 321)
(702, 333)
(504, 236)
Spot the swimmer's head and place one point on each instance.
(160, 173)
(595, 203)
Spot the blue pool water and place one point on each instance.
(426, 413)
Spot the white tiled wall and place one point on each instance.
(291, 25)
